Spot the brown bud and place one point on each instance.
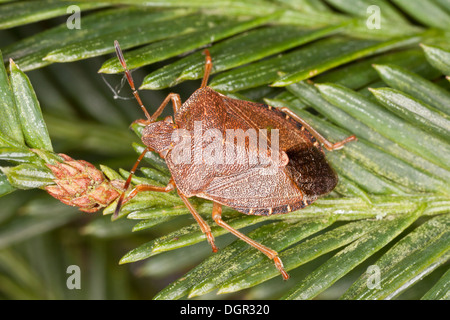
(81, 184)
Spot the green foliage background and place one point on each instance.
(387, 86)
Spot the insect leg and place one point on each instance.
(127, 183)
(203, 225)
(327, 144)
(176, 103)
(208, 67)
(273, 255)
(145, 187)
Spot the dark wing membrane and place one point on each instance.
(309, 170)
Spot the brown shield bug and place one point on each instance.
(248, 156)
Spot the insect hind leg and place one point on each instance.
(273, 255)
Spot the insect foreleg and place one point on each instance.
(176, 103)
(144, 187)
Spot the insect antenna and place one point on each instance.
(130, 79)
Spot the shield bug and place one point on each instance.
(251, 157)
